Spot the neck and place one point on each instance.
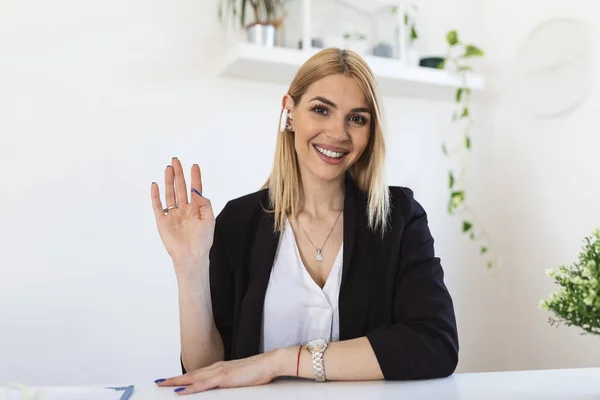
(319, 198)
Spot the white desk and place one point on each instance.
(569, 384)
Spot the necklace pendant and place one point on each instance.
(319, 256)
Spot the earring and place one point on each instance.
(283, 122)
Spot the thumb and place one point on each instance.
(201, 201)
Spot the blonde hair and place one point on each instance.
(368, 171)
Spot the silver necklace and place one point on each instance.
(319, 257)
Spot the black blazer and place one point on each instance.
(392, 288)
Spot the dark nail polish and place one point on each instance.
(174, 158)
(179, 389)
(159, 380)
(197, 192)
(169, 166)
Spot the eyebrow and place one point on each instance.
(332, 104)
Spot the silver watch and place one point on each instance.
(317, 348)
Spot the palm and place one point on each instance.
(187, 229)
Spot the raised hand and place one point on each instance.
(186, 225)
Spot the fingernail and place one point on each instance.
(179, 389)
(159, 380)
(174, 158)
(169, 166)
(197, 192)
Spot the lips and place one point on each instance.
(331, 152)
(328, 156)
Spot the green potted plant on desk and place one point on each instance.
(267, 18)
(577, 302)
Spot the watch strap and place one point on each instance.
(318, 366)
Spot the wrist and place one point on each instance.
(186, 270)
(284, 361)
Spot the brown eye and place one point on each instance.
(358, 119)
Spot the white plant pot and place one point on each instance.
(261, 34)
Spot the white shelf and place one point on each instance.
(279, 65)
(372, 6)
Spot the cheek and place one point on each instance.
(306, 129)
(361, 140)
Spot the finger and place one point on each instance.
(181, 380)
(180, 187)
(197, 179)
(156, 203)
(210, 383)
(170, 186)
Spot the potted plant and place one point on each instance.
(577, 302)
(266, 18)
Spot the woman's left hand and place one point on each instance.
(252, 371)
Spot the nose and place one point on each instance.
(336, 129)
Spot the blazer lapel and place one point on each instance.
(354, 294)
(350, 224)
(261, 258)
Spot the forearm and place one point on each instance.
(348, 360)
(201, 344)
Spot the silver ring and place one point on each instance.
(166, 210)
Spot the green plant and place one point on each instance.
(457, 59)
(577, 302)
(265, 11)
(409, 21)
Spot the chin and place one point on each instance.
(328, 173)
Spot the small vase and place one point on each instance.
(261, 34)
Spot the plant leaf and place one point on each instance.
(452, 38)
(467, 226)
(484, 249)
(243, 14)
(464, 68)
(450, 180)
(444, 149)
(489, 264)
(465, 113)
(456, 199)
(459, 93)
(472, 51)
(468, 142)
(405, 19)
(413, 33)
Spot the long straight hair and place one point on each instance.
(368, 171)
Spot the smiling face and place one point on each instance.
(332, 125)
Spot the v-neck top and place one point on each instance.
(296, 309)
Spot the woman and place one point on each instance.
(326, 272)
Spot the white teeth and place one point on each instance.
(329, 153)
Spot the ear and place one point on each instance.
(287, 102)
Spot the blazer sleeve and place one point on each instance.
(422, 342)
(222, 289)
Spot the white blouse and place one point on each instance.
(296, 309)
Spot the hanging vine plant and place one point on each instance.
(457, 59)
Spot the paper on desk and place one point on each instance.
(64, 393)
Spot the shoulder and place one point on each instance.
(403, 199)
(404, 206)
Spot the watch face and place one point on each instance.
(317, 345)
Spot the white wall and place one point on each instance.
(545, 186)
(95, 99)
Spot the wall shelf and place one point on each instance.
(279, 65)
